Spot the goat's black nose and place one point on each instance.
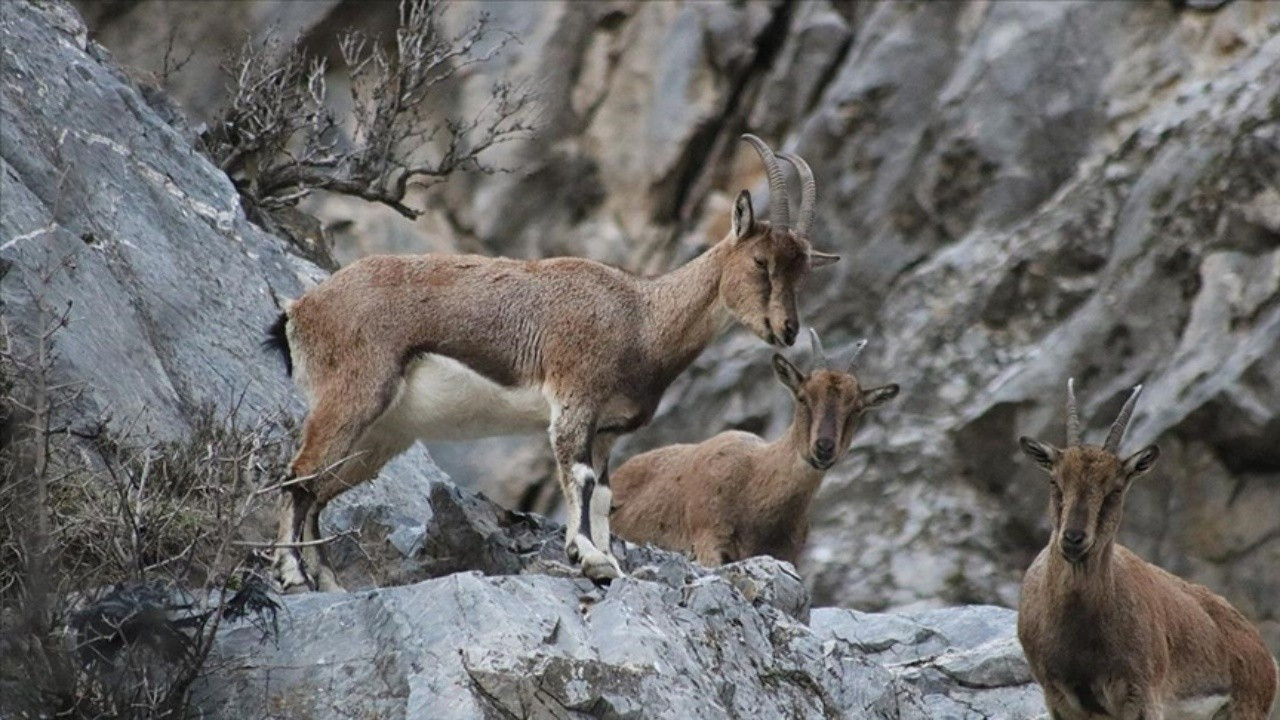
(824, 449)
(1073, 537)
(789, 330)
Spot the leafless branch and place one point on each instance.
(280, 141)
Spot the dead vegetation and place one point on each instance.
(118, 555)
(280, 139)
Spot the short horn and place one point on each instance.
(808, 192)
(1073, 417)
(857, 350)
(1122, 422)
(819, 355)
(779, 210)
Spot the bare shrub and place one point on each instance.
(118, 555)
(279, 139)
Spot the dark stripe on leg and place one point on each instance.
(301, 505)
(584, 512)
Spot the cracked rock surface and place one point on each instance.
(534, 646)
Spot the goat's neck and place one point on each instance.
(795, 480)
(1091, 583)
(683, 309)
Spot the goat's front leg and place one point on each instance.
(572, 436)
(1134, 701)
(602, 495)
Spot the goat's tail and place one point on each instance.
(278, 340)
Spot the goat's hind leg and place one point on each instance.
(709, 551)
(288, 567)
(371, 453)
(315, 554)
(327, 462)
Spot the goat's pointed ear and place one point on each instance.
(1045, 455)
(1142, 461)
(744, 217)
(789, 374)
(821, 259)
(875, 397)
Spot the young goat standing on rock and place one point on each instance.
(393, 349)
(735, 495)
(1108, 634)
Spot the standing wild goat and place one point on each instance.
(735, 495)
(1108, 634)
(393, 349)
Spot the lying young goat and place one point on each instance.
(397, 348)
(735, 495)
(1108, 634)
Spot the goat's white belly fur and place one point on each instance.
(443, 399)
(1206, 707)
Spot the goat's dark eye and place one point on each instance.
(762, 264)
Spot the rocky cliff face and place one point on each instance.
(169, 288)
(1022, 192)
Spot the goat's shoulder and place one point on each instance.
(1033, 580)
(1195, 604)
(580, 267)
(656, 462)
(1033, 600)
(735, 449)
(1161, 587)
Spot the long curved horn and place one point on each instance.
(808, 192)
(1073, 417)
(819, 355)
(857, 350)
(1118, 427)
(779, 209)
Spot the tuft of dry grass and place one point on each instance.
(118, 554)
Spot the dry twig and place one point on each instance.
(279, 139)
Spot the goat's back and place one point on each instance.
(516, 322)
(663, 496)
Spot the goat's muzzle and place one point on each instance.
(1074, 545)
(823, 454)
(771, 336)
(789, 331)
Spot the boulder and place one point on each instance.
(534, 646)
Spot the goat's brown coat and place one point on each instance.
(735, 495)
(599, 344)
(1110, 635)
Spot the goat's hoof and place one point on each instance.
(600, 568)
(289, 577)
(328, 582)
(285, 585)
(571, 551)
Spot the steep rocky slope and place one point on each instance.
(1022, 192)
(169, 288)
